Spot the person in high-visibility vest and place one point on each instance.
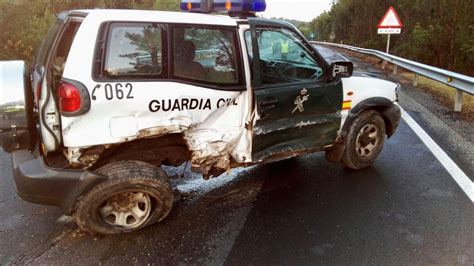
(274, 47)
(285, 48)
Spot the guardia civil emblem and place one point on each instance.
(300, 99)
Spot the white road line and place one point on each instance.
(453, 169)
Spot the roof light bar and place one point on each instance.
(239, 5)
(232, 6)
(199, 6)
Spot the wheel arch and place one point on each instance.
(170, 149)
(389, 111)
(124, 177)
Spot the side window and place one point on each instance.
(284, 57)
(134, 50)
(47, 42)
(206, 55)
(248, 42)
(64, 46)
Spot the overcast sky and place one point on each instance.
(304, 10)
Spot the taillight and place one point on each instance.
(69, 98)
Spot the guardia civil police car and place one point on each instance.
(115, 94)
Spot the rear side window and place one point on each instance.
(64, 46)
(205, 55)
(47, 42)
(134, 50)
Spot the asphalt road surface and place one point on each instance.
(405, 209)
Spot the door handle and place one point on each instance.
(268, 103)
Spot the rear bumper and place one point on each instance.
(37, 183)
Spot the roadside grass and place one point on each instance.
(443, 93)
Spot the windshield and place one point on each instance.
(283, 45)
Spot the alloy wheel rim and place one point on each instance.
(128, 209)
(367, 140)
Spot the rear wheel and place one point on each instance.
(364, 140)
(136, 195)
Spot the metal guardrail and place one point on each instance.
(461, 83)
(200, 54)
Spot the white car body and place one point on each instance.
(218, 132)
(363, 88)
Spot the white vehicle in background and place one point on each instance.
(115, 94)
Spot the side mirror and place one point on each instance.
(341, 69)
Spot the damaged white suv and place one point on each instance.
(115, 94)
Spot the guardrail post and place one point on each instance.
(395, 69)
(415, 80)
(458, 101)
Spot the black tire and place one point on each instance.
(131, 185)
(362, 146)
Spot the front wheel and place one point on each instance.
(136, 195)
(364, 140)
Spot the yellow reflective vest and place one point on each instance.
(285, 47)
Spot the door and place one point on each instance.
(298, 109)
(48, 70)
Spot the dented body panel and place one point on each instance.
(297, 107)
(212, 121)
(282, 128)
(213, 126)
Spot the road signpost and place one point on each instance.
(389, 24)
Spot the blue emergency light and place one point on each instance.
(201, 6)
(231, 6)
(239, 5)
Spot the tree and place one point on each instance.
(166, 5)
(25, 23)
(439, 33)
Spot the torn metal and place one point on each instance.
(217, 138)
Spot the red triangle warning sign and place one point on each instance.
(390, 20)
